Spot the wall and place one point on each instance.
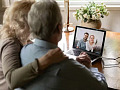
(111, 22)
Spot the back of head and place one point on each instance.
(43, 18)
(15, 19)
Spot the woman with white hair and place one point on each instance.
(13, 36)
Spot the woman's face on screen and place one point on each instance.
(92, 38)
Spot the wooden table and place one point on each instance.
(109, 67)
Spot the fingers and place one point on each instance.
(57, 55)
(53, 51)
(53, 56)
(83, 53)
(57, 49)
(83, 57)
(84, 61)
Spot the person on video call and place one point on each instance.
(45, 21)
(91, 44)
(82, 43)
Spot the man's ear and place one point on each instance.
(59, 28)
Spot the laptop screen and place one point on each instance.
(89, 40)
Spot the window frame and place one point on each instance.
(73, 5)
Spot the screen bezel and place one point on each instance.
(93, 30)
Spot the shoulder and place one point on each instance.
(27, 47)
(94, 44)
(81, 40)
(87, 42)
(27, 52)
(10, 43)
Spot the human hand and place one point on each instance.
(53, 56)
(29, 42)
(84, 59)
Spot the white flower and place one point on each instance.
(85, 15)
(81, 17)
(88, 17)
(80, 12)
(97, 10)
(82, 8)
(93, 17)
(74, 14)
(91, 11)
(98, 15)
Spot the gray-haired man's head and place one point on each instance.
(44, 18)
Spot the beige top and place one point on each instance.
(10, 66)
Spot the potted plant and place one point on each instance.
(90, 14)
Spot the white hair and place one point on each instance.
(43, 18)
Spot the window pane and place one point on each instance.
(59, 0)
(91, 0)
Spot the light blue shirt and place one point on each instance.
(66, 75)
(35, 50)
(81, 44)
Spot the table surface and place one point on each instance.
(107, 65)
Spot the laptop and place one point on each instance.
(88, 40)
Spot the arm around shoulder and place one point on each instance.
(16, 75)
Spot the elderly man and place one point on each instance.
(45, 23)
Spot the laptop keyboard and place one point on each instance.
(74, 52)
(77, 53)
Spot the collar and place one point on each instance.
(44, 44)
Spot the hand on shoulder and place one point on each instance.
(53, 56)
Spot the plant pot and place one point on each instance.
(92, 24)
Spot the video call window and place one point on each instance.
(89, 40)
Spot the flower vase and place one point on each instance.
(92, 24)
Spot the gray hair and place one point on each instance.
(43, 18)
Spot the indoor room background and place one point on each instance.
(111, 22)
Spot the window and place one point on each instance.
(89, 0)
(76, 4)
